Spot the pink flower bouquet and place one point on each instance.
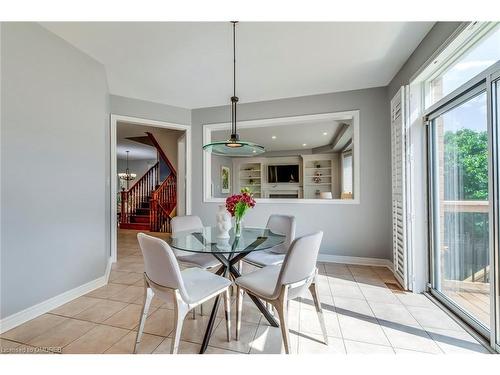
(237, 205)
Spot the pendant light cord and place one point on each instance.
(234, 58)
(234, 98)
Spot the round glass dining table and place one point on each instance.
(228, 251)
(207, 240)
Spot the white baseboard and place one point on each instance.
(361, 261)
(32, 312)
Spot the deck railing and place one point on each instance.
(466, 241)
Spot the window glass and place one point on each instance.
(347, 174)
(461, 212)
(482, 55)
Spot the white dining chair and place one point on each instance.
(187, 259)
(279, 284)
(189, 288)
(281, 224)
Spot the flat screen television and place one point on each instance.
(282, 173)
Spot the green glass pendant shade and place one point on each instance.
(231, 148)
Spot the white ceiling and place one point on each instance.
(290, 136)
(188, 64)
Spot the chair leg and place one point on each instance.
(239, 306)
(227, 313)
(314, 292)
(201, 309)
(281, 306)
(148, 296)
(194, 313)
(181, 310)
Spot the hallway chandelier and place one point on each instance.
(234, 146)
(127, 176)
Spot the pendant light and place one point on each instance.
(127, 176)
(234, 146)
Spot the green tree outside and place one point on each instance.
(466, 165)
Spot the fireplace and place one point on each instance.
(284, 195)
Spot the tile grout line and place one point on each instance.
(373, 312)
(423, 328)
(335, 306)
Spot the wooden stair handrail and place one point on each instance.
(162, 154)
(163, 202)
(160, 197)
(132, 199)
(166, 193)
(144, 176)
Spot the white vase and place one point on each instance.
(223, 218)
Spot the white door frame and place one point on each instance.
(115, 118)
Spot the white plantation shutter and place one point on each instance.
(399, 224)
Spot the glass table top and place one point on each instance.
(206, 240)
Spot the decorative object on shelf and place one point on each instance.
(225, 176)
(238, 205)
(251, 181)
(127, 176)
(223, 218)
(317, 177)
(317, 192)
(234, 146)
(326, 195)
(318, 165)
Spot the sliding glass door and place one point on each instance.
(460, 161)
(458, 94)
(495, 126)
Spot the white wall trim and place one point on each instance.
(113, 172)
(41, 308)
(361, 261)
(353, 115)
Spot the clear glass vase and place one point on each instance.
(238, 227)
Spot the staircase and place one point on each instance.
(151, 202)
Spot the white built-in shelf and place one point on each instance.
(319, 163)
(251, 171)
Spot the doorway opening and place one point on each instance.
(150, 177)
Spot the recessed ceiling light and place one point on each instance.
(273, 137)
(325, 133)
(304, 144)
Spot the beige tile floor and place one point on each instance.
(364, 314)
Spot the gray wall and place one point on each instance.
(362, 230)
(121, 105)
(54, 122)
